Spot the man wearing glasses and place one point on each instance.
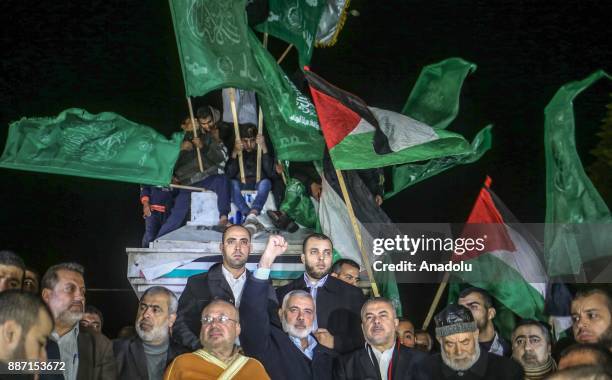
(218, 358)
(146, 355)
(223, 280)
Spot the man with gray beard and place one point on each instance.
(87, 355)
(289, 351)
(460, 356)
(146, 355)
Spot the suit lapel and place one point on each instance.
(86, 347)
(369, 369)
(138, 356)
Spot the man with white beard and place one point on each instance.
(86, 353)
(146, 355)
(460, 356)
(289, 351)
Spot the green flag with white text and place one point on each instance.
(104, 146)
(578, 221)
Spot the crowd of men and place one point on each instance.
(230, 323)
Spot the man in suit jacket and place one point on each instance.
(146, 355)
(383, 357)
(87, 355)
(337, 322)
(290, 351)
(223, 281)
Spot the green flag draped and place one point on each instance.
(578, 222)
(218, 50)
(434, 100)
(104, 146)
(295, 22)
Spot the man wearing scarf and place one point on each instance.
(531, 348)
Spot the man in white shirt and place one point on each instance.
(223, 280)
(382, 357)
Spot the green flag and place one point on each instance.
(434, 100)
(213, 46)
(218, 50)
(295, 22)
(105, 146)
(578, 222)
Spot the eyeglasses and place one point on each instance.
(222, 320)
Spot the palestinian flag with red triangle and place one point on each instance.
(509, 264)
(362, 137)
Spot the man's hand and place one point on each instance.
(238, 147)
(324, 338)
(261, 141)
(315, 190)
(378, 199)
(186, 145)
(197, 142)
(275, 247)
(146, 210)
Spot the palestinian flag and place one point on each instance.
(362, 137)
(508, 266)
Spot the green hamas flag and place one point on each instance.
(295, 22)
(217, 49)
(213, 46)
(578, 222)
(434, 100)
(290, 117)
(105, 146)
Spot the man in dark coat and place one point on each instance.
(461, 357)
(338, 304)
(222, 281)
(288, 350)
(146, 355)
(383, 357)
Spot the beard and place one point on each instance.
(155, 334)
(315, 272)
(530, 359)
(295, 332)
(461, 364)
(606, 338)
(69, 317)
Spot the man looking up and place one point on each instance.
(337, 321)
(12, 270)
(222, 281)
(87, 354)
(288, 351)
(480, 304)
(219, 357)
(146, 355)
(382, 357)
(25, 325)
(405, 332)
(592, 317)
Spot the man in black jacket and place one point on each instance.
(337, 322)
(288, 351)
(222, 281)
(460, 354)
(145, 356)
(383, 357)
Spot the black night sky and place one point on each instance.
(121, 56)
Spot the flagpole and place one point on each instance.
(282, 57)
(436, 300)
(260, 124)
(364, 256)
(237, 131)
(187, 187)
(195, 133)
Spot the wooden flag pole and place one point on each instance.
(282, 57)
(260, 124)
(364, 256)
(195, 133)
(436, 300)
(237, 131)
(187, 187)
